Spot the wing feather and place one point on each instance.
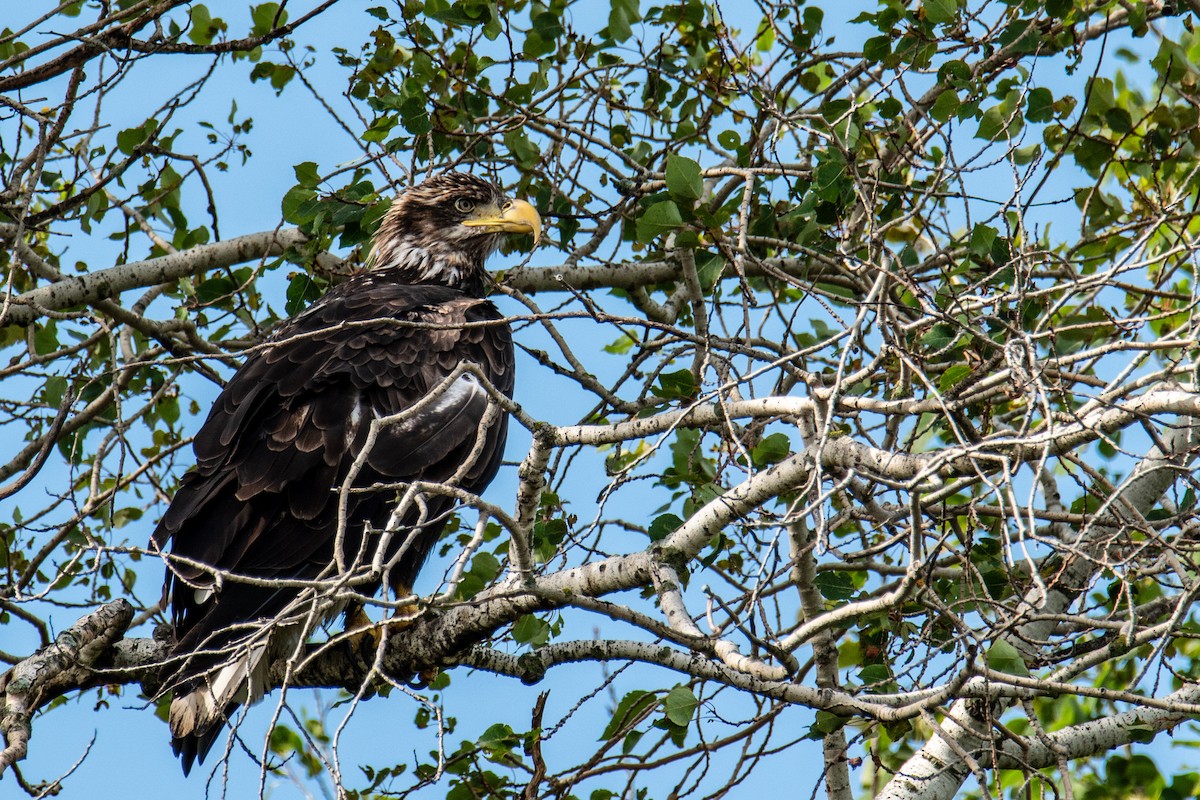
(279, 441)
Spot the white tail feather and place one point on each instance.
(241, 681)
(205, 705)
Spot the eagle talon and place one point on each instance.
(362, 646)
(422, 680)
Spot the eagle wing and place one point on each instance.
(263, 499)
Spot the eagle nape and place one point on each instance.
(251, 535)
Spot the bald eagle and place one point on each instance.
(287, 487)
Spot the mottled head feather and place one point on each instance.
(423, 232)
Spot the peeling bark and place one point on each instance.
(63, 666)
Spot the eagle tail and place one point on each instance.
(199, 711)
(194, 747)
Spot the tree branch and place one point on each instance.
(108, 283)
(64, 666)
(937, 771)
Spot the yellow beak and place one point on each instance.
(517, 216)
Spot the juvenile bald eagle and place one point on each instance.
(259, 514)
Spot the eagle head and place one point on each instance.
(442, 230)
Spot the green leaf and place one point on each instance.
(547, 536)
(824, 722)
(1022, 35)
(683, 178)
(953, 376)
(621, 16)
(1143, 734)
(834, 585)
(520, 145)
(499, 735)
(214, 289)
(771, 450)
(1093, 154)
(1039, 105)
(766, 36)
(285, 741)
(1058, 9)
(1026, 155)
(380, 129)
(120, 519)
(485, 565)
(621, 345)
(415, 117)
(940, 11)
(1002, 120)
(877, 48)
(266, 18)
(1101, 96)
(532, 631)
(45, 338)
(55, 389)
(678, 385)
(954, 73)
(203, 28)
(1003, 657)
(982, 238)
(889, 107)
(168, 410)
(663, 526)
(708, 269)
(874, 673)
(301, 291)
(306, 174)
(831, 176)
(299, 205)
(279, 75)
(660, 218)
(130, 139)
(946, 106)
(680, 705)
(1171, 61)
(1119, 120)
(632, 707)
(939, 337)
(730, 139)
(484, 569)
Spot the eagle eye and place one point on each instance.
(464, 205)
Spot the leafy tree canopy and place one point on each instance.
(857, 401)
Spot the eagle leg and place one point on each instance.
(361, 640)
(360, 635)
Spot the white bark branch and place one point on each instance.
(64, 665)
(937, 771)
(109, 283)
